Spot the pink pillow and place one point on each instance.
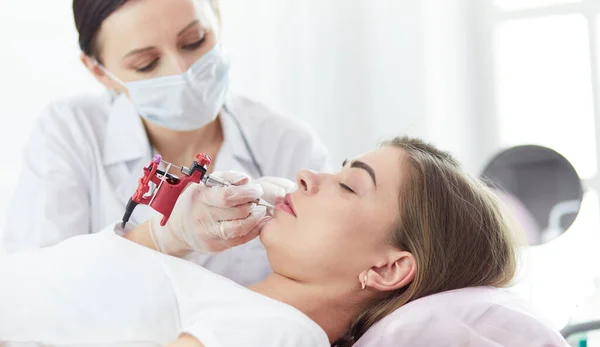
(477, 317)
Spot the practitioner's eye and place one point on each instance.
(194, 45)
(148, 67)
(346, 188)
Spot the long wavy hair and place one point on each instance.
(453, 226)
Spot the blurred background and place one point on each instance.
(473, 76)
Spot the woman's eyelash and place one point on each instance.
(191, 46)
(195, 45)
(346, 188)
(148, 67)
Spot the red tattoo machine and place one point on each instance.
(160, 190)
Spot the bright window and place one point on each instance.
(523, 4)
(544, 87)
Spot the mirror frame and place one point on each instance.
(503, 151)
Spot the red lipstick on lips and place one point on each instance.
(287, 205)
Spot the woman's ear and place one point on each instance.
(396, 272)
(91, 65)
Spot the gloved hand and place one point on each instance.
(211, 219)
(275, 189)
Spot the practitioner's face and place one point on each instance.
(153, 38)
(336, 225)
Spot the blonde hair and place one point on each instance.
(453, 226)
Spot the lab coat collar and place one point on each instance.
(126, 137)
(231, 132)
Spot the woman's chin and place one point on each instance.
(272, 228)
(265, 230)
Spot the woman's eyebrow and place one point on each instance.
(138, 51)
(146, 49)
(188, 26)
(362, 165)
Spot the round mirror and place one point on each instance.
(539, 187)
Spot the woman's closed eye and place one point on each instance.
(194, 45)
(188, 47)
(346, 188)
(148, 67)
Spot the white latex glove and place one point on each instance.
(212, 219)
(275, 189)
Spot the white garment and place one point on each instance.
(118, 293)
(86, 155)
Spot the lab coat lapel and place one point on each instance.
(126, 152)
(126, 138)
(234, 155)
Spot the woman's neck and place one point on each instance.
(331, 309)
(181, 147)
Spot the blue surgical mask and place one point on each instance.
(183, 102)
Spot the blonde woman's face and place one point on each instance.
(336, 225)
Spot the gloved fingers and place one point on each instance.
(237, 241)
(232, 213)
(227, 197)
(236, 228)
(287, 185)
(165, 239)
(275, 188)
(234, 177)
(273, 194)
(214, 245)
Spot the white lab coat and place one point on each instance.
(86, 155)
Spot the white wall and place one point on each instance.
(359, 71)
(353, 69)
(39, 62)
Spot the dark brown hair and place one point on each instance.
(89, 16)
(453, 226)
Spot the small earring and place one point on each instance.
(364, 281)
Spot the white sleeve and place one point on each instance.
(52, 198)
(252, 331)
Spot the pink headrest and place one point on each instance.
(478, 317)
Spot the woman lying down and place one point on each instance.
(394, 225)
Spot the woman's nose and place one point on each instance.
(178, 65)
(308, 181)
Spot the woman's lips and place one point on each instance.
(287, 205)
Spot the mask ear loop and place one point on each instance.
(108, 73)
